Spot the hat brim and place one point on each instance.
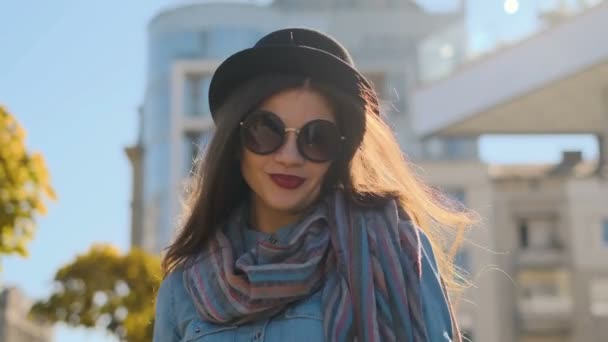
(291, 60)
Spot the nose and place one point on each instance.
(288, 154)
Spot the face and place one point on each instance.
(285, 181)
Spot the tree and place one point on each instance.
(24, 186)
(106, 289)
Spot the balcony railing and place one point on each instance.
(550, 314)
(541, 257)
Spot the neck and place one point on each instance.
(269, 220)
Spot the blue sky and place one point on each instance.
(72, 72)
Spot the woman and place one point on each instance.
(304, 222)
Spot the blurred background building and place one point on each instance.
(547, 224)
(14, 323)
(539, 261)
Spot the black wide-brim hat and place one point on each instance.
(292, 51)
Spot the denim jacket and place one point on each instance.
(177, 319)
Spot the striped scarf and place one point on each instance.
(366, 261)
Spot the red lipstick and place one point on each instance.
(287, 181)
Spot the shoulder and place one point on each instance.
(166, 292)
(172, 287)
(174, 303)
(172, 294)
(171, 280)
(165, 321)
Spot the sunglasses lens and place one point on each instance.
(319, 140)
(262, 132)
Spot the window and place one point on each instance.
(194, 147)
(523, 233)
(539, 233)
(441, 52)
(196, 89)
(541, 236)
(460, 148)
(605, 233)
(451, 148)
(433, 147)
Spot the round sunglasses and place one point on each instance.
(263, 132)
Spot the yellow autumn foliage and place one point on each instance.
(24, 187)
(106, 289)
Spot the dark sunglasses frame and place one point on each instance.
(283, 133)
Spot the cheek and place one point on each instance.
(251, 165)
(320, 171)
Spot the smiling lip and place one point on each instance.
(287, 181)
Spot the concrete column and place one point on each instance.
(135, 154)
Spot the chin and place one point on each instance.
(292, 203)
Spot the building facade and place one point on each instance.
(539, 256)
(15, 326)
(551, 222)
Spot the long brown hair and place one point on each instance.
(372, 167)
